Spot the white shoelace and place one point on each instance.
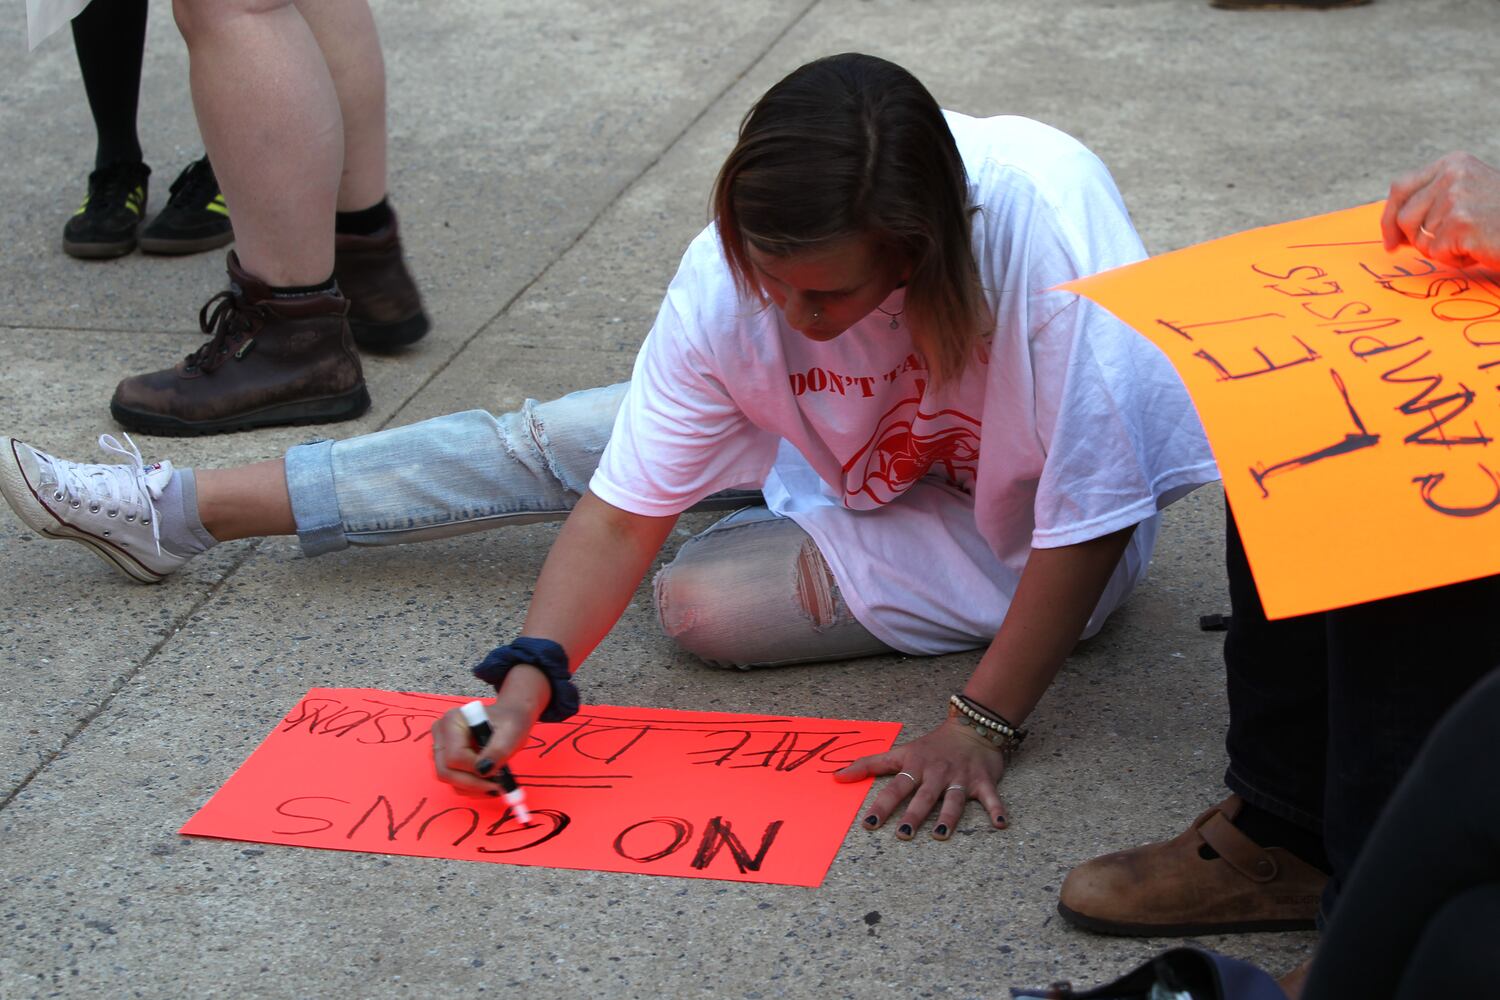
(106, 486)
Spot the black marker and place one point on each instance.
(479, 730)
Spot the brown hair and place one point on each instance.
(853, 145)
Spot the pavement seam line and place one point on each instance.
(604, 210)
(124, 679)
(254, 546)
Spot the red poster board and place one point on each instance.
(746, 798)
(1352, 397)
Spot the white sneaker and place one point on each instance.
(106, 507)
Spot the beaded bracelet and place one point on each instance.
(988, 725)
(548, 657)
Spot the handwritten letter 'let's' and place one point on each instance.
(1352, 397)
(695, 794)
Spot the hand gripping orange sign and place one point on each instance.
(1351, 395)
(748, 798)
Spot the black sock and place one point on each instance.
(110, 38)
(365, 222)
(1269, 830)
(302, 291)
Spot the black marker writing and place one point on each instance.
(717, 834)
(281, 810)
(1360, 438)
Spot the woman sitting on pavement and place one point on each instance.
(949, 453)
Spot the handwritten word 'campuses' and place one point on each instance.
(704, 795)
(1351, 395)
(1464, 309)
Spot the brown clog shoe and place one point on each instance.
(1170, 889)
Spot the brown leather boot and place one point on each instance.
(385, 308)
(269, 361)
(1171, 889)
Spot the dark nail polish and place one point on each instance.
(904, 829)
(484, 766)
(941, 830)
(872, 821)
(1000, 819)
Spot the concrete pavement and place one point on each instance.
(550, 162)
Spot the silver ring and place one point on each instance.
(1427, 232)
(907, 774)
(950, 788)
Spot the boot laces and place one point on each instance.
(112, 187)
(107, 487)
(195, 186)
(227, 327)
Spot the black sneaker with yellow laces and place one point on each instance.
(105, 224)
(195, 218)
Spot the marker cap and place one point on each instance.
(474, 714)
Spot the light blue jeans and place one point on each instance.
(752, 590)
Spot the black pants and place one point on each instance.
(1420, 913)
(1327, 711)
(110, 37)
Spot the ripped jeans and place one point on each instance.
(752, 590)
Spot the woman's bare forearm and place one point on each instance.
(599, 559)
(1059, 590)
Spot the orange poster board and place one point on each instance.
(1351, 395)
(747, 798)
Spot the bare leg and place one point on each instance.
(269, 115)
(345, 31)
(245, 502)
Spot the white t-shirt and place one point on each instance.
(926, 502)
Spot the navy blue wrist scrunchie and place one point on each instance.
(548, 657)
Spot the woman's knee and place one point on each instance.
(195, 18)
(753, 590)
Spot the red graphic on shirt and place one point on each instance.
(907, 445)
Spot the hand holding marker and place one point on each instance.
(479, 730)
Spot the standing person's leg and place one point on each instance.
(385, 308)
(1276, 679)
(110, 39)
(281, 350)
(1255, 861)
(1420, 904)
(270, 119)
(344, 31)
